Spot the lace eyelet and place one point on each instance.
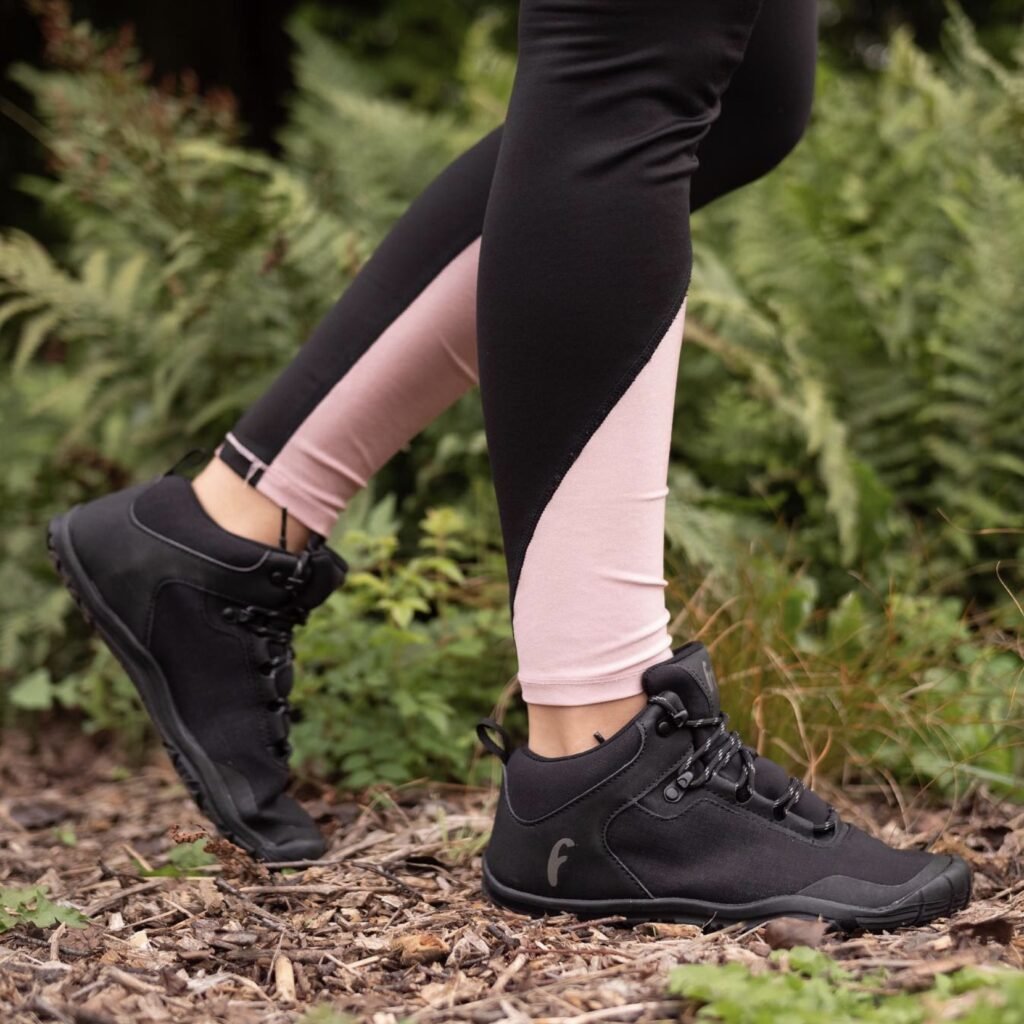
(664, 727)
(230, 613)
(672, 793)
(277, 577)
(748, 794)
(779, 814)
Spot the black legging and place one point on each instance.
(583, 201)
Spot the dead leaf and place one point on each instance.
(83, 940)
(468, 948)
(176, 982)
(420, 948)
(993, 929)
(359, 898)
(787, 932)
(211, 896)
(38, 813)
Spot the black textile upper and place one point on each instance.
(641, 818)
(215, 613)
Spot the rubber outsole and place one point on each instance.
(941, 896)
(194, 768)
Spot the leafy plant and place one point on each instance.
(860, 326)
(325, 1014)
(183, 860)
(432, 630)
(32, 906)
(805, 987)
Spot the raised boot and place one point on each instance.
(201, 620)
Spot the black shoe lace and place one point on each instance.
(274, 627)
(721, 748)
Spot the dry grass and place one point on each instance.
(391, 926)
(887, 696)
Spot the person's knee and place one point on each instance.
(754, 135)
(782, 132)
(770, 99)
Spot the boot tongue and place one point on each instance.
(688, 674)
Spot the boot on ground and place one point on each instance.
(674, 818)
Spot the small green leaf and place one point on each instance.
(34, 692)
(183, 860)
(66, 835)
(33, 906)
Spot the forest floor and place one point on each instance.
(391, 926)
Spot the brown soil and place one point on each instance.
(391, 925)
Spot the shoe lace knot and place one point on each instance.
(713, 752)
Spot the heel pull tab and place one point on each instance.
(484, 728)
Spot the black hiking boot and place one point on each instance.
(674, 819)
(201, 620)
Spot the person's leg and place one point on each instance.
(198, 613)
(584, 266)
(767, 107)
(583, 271)
(396, 350)
(400, 346)
(765, 110)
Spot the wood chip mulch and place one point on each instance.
(391, 925)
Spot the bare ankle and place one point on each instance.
(561, 731)
(240, 509)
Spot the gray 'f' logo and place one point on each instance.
(556, 859)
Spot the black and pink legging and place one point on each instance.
(555, 257)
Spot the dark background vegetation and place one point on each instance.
(242, 45)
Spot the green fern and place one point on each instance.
(855, 345)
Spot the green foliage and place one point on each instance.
(183, 861)
(431, 627)
(887, 686)
(324, 1014)
(870, 315)
(66, 835)
(32, 906)
(848, 466)
(856, 340)
(807, 987)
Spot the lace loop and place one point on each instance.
(274, 627)
(719, 749)
(673, 707)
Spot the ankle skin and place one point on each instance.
(240, 509)
(561, 731)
